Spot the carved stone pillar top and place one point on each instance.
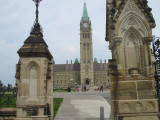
(147, 40)
(115, 41)
(112, 65)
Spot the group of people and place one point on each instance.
(69, 89)
(85, 88)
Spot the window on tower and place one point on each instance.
(85, 35)
(86, 68)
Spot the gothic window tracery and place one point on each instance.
(133, 53)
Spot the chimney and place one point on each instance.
(71, 61)
(66, 61)
(105, 61)
(100, 60)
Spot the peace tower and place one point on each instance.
(86, 50)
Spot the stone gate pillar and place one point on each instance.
(129, 33)
(34, 77)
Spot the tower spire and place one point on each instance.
(85, 13)
(37, 29)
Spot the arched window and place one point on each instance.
(86, 35)
(131, 52)
(33, 79)
(132, 42)
(33, 72)
(86, 68)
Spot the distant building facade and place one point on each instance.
(86, 71)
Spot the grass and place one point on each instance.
(60, 90)
(12, 102)
(57, 103)
(8, 101)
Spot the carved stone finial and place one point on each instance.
(37, 29)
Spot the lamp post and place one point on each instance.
(156, 51)
(71, 82)
(1, 89)
(75, 86)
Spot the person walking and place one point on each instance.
(85, 88)
(77, 89)
(68, 89)
(101, 88)
(82, 88)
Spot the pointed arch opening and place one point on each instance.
(133, 49)
(33, 76)
(132, 19)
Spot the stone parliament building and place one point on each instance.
(129, 25)
(87, 72)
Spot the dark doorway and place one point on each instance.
(87, 81)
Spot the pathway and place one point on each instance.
(83, 106)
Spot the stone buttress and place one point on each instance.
(129, 27)
(34, 78)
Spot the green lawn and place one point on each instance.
(57, 103)
(8, 100)
(12, 102)
(60, 90)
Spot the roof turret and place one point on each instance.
(35, 45)
(85, 13)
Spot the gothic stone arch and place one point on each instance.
(133, 51)
(131, 78)
(33, 77)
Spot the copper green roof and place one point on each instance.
(76, 61)
(85, 13)
(95, 60)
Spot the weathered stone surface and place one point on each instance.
(137, 106)
(34, 97)
(33, 118)
(133, 95)
(141, 118)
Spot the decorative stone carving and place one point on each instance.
(141, 118)
(138, 107)
(133, 21)
(131, 7)
(31, 111)
(115, 41)
(147, 40)
(133, 96)
(126, 107)
(150, 106)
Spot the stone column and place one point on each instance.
(112, 65)
(146, 43)
(115, 44)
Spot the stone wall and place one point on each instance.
(8, 113)
(129, 32)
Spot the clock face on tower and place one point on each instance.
(85, 25)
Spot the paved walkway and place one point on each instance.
(82, 106)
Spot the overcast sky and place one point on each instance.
(60, 20)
